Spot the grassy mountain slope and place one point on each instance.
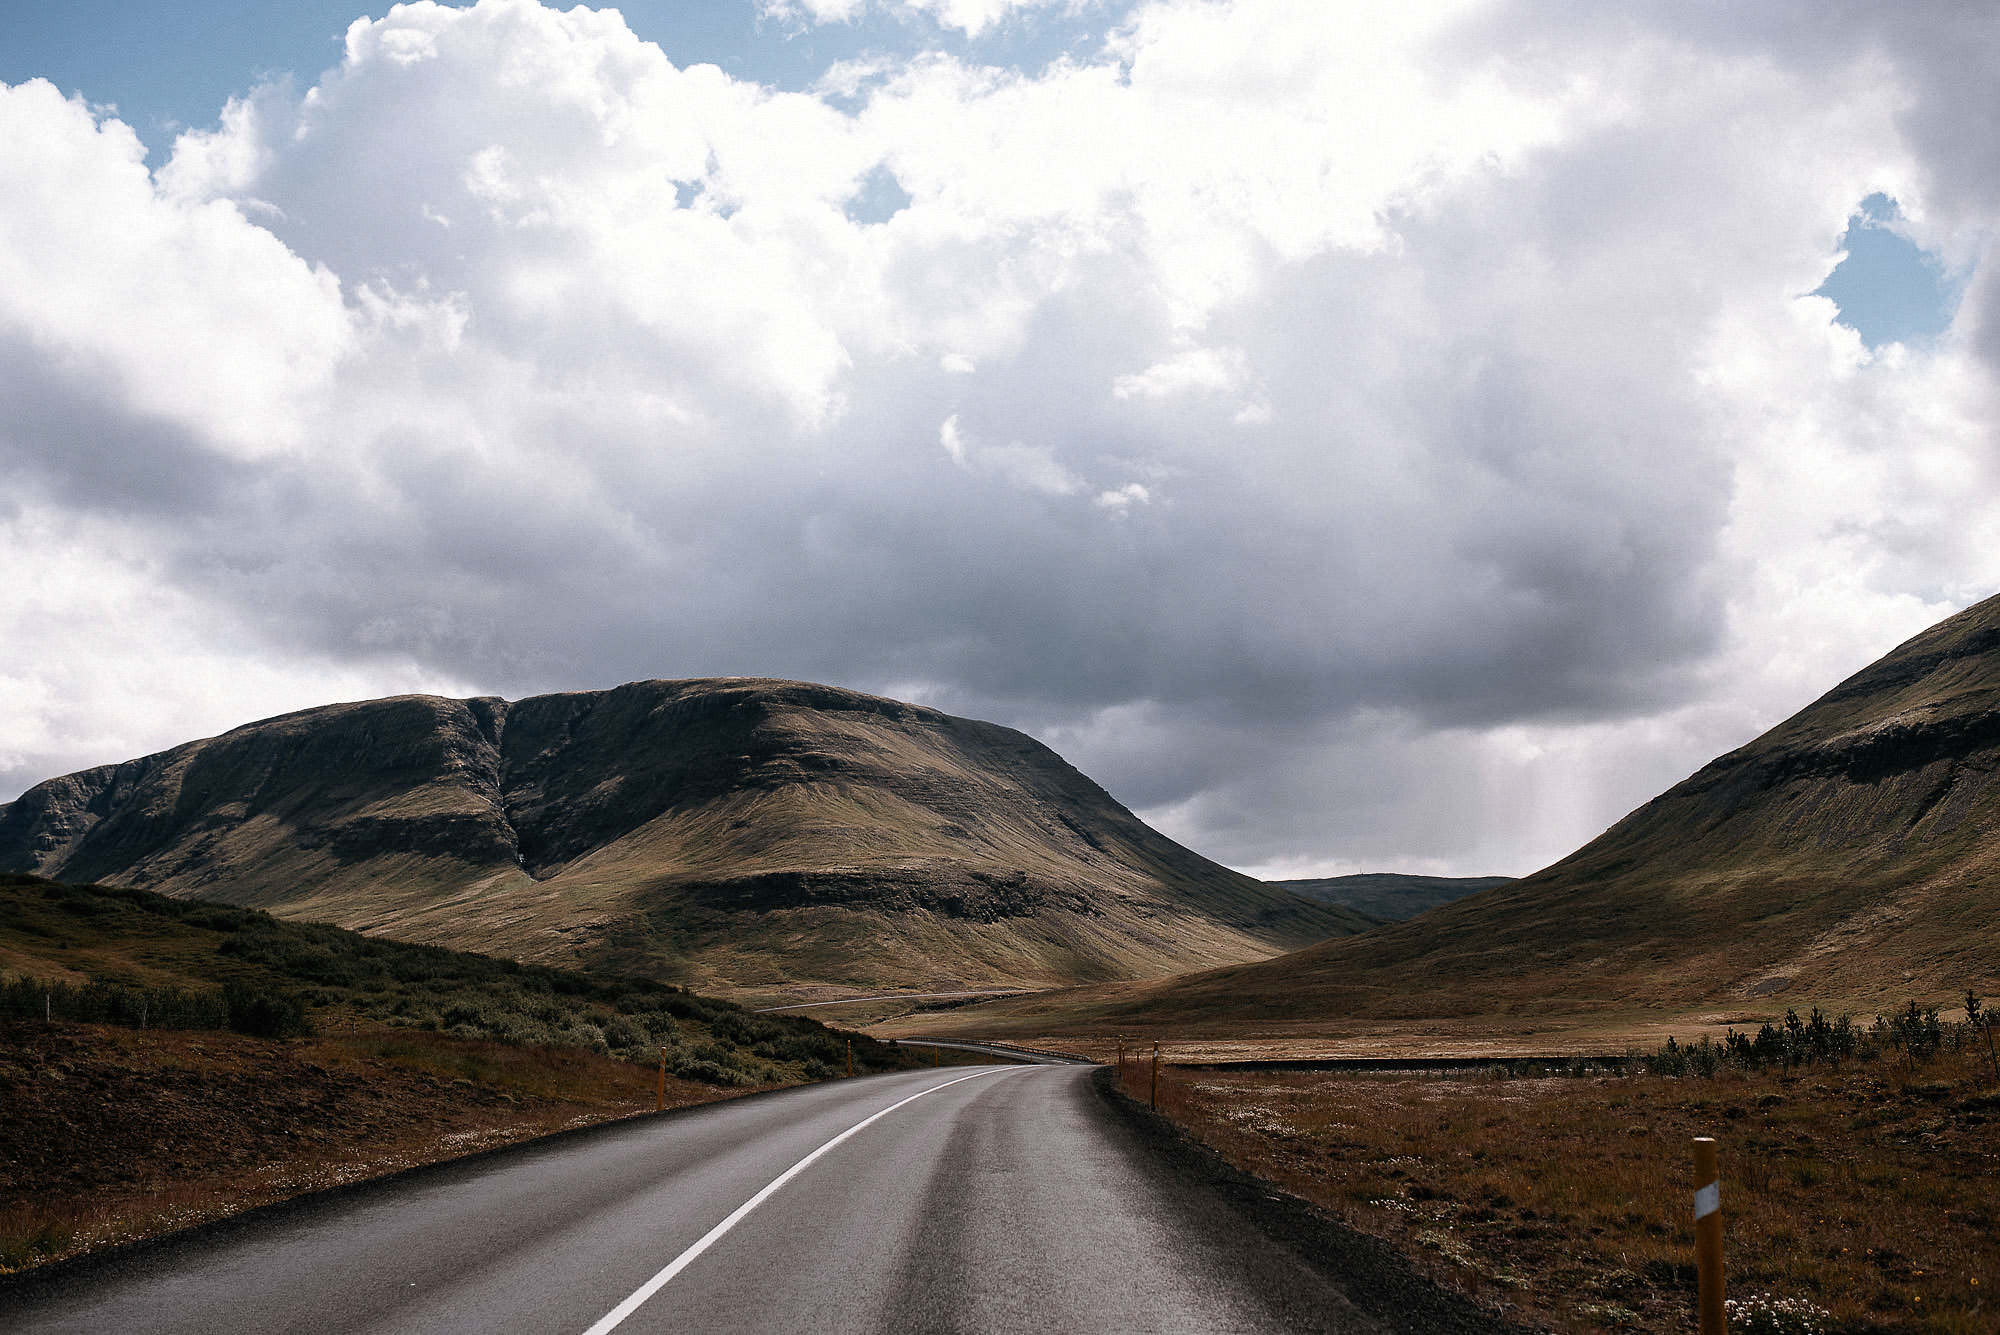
(731, 834)
(1849, 856)
(1388, 895)
(94, 953)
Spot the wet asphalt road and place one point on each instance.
(999, 1199)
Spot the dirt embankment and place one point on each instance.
(110, 1135)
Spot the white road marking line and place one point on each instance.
(610, 1320)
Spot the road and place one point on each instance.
(1011, 1051)
(893, 996)
(987, 1199)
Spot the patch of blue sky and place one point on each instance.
(880, 198)
(171, 67)
(168, 67)
(1888, 289)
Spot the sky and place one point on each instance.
(1360, 440)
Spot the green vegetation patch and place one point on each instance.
(171, 963)
(1916, 1034)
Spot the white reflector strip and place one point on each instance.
(1707, 1200)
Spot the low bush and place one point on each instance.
(1917, 1034)
(112, 1003)
(265, 1014)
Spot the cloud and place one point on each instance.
(812, 11)
(1359, 440)
(972, 18)
(1198, 370)
(1120, 499)
(116, 287)
(1026, 467)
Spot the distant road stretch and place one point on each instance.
(985, 1199)
(892, 996)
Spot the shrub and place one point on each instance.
(710, 1073)
(464, 1014)
(1916, 1031)
(111, 1003)
(265, 1014)
(620, 1032)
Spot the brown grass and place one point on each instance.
(108, 1136)
(1872, 1192)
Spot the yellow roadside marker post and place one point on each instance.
(660, 1086)
(1156, 1073)
(850, 1057)
(1708, 1235)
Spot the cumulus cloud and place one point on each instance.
(1359, 440)
(116, 287)
(972, 18)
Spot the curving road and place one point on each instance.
(987, 1199)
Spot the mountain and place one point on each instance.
(1849, 857)
(1388, 895)
(735, 834)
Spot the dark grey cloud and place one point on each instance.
(1416, 535)
(64, 437)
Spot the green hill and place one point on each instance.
(105, 954)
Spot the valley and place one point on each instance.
(811, 852)
(1849, 858)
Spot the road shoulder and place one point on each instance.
(1377, 1278)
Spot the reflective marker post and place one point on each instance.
(660, 1089)
(1156, 1073)
(1708, 1235)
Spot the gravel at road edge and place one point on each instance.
(1377, 1277)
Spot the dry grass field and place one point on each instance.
(1869, 1193)
(109, 1135)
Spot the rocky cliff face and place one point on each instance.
(729, 832)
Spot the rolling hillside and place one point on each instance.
(1848, 857)
(96, 954)
(732, 834)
